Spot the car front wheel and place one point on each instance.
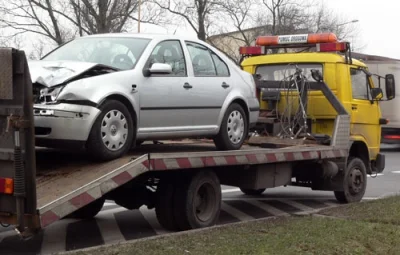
(233, 130)
(112, 133)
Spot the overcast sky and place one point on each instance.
(378, 24)
(376, 20)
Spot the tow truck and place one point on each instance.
(181, 179)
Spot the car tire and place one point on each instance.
(234, 121)
(112, 132)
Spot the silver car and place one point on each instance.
(108, 93)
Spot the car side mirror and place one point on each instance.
(376, 94)
(390, 86)
(158, 68)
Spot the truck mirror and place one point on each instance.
(376, 93)
(390, 86)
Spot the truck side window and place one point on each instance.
(359, 84)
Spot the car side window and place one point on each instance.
(169, 52)
(203, 64)
(220, 66)
(359, 84)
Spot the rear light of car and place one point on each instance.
(256, 91)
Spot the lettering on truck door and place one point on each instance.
(364, 114)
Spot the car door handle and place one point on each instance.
(354, 107)
(225, 85)
(134, 90)
(187, 86)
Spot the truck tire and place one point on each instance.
(252, 192)
(233, 130)
(354, 182)
(197, 202)
(112, 132)
(89, 211)
(164, 205)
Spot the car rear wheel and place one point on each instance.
(233, 130)
(112, 133)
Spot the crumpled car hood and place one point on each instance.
(52, 73)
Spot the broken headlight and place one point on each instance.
(48, 95)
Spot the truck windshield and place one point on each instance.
(280, 72)
(118, 52)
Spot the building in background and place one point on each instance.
(229, 43)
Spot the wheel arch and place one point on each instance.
(238, 100)
(360, 150)
(126, 102)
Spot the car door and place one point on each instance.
(162, 97)
(210, 85)
(364, 114)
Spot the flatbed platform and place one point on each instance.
(63, 176)
(60, 172)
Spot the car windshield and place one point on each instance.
(118, 52)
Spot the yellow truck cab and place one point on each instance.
(348, 79)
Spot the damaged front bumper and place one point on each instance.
(63, 122)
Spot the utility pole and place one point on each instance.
(140, 6)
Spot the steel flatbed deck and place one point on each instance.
(67, 181)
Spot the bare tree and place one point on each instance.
(198, 13)
(111, 16)
(239, 12)
(60, 20)
(35, 16)
(277, 17)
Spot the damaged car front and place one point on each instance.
(70, 81)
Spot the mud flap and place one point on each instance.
(379, 164)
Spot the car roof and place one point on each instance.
(146, 36)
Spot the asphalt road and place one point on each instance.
(115, 224)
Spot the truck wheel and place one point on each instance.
(252, 192)
(354, 182)
(164, 205)
(112, 132)
(233, 130)
(89, 211)
(197, 202)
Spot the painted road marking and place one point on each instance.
(268, 208)
(108, 226)
(230, 190)
(235, 212)
(375, 175)
(151, 217)
(54, 237)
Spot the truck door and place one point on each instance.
(365, 113)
